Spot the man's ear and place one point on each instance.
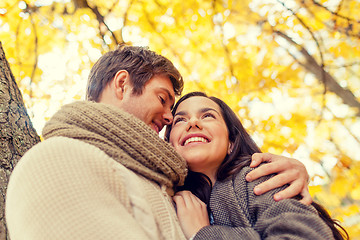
(121, 82)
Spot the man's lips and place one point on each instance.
(156, 126)
(191, 138)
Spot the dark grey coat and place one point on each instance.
(240, 214)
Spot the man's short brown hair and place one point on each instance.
(141, 63)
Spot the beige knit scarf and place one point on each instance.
(123, 137)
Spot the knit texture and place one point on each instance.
(117, 132)
(240, 214)
(100, 173)
(66, 189)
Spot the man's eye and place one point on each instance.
(162, 100)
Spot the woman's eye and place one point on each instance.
(208, 115)
(177, 120)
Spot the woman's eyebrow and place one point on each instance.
(181, 113)
(203, 110)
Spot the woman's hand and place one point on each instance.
(289, 171)
(191, 211)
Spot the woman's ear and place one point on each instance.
(230, 148)
(121, 82)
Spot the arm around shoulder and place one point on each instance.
(288, 171)
(287, 218)
(240, 214)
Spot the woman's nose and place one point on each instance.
(193, 123)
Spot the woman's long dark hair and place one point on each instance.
(243, 147)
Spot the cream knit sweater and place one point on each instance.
(66, 188)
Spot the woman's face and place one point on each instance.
(200, 135)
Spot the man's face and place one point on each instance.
(154, 105)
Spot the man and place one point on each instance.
(102, 171)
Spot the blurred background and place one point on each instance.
(289, 68)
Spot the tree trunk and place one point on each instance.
(17, 134)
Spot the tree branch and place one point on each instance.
(308, 29)
(125, 19)
(357, 139)
(226, 49)
(167, 45)
(17, 45)
(335, 13)
(322, 77)
(343, 30)
(35, 52)
(312, 66)
(99, 17)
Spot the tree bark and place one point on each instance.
(17, 134)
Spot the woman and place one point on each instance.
(208, 134)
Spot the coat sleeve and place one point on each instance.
(66, 190)
(264, 217)
(285, 219)
(218, 232)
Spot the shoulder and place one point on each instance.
(68, 187)
(58, 179)
(244, 190)
(240, 181)
(235, 182)
(63, 165)
(61, 153)
(234, 188)
(63, 146)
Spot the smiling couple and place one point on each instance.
(103, 172)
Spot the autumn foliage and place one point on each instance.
(290, 69)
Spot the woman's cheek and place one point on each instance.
(174, 138)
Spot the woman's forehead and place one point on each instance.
(197, 103)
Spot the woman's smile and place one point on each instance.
(194, 138)
(199, 134)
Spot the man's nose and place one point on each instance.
(168, 117)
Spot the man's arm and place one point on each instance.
(246, 216)
(289, 171)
